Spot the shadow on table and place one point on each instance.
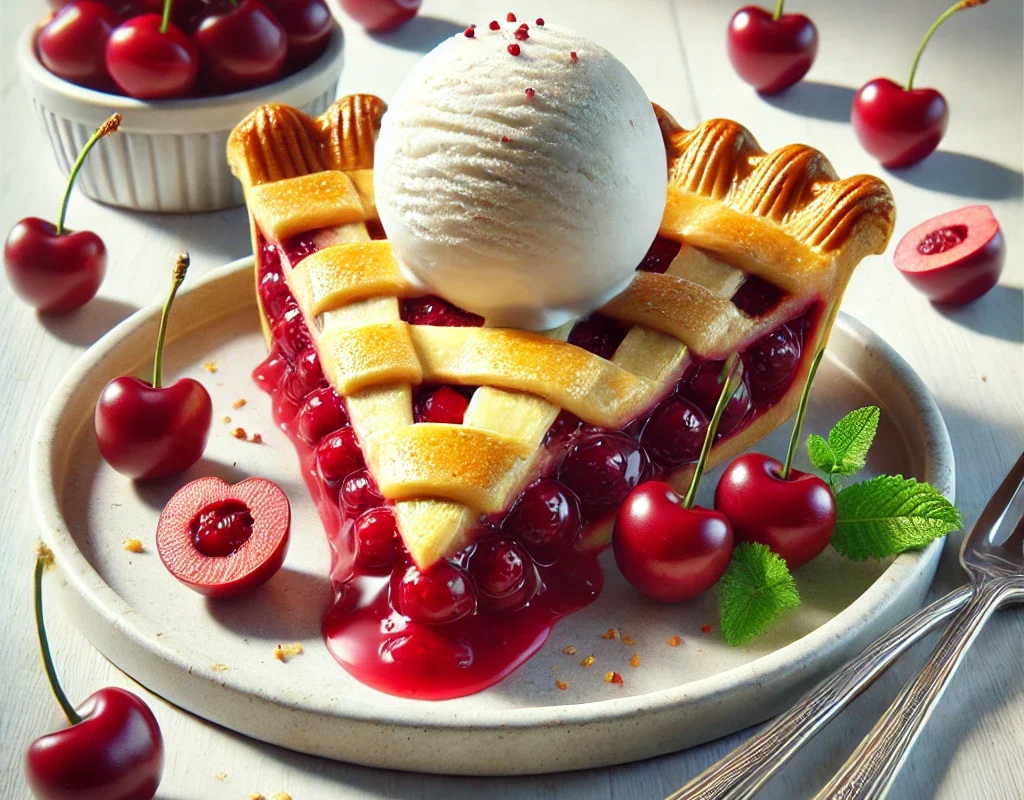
(825, 101)
(86, 325)
(156, 494)
(421, 34)
(963, 175)
(221, 236)
(996, 314)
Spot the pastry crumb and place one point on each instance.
(706, 628)
(210, 366)
(634, 660)
(256, 438)
(280, 796)
(221, 776)
(285, 651)
(132, 545)
(239, 403)
(257, 796)
(569, 650)
(562, 685)
(629, 641)
(675, 641)
(218, 667)
(226, 420)
(239, 433)
(984, 378)
(587, 662)
(611, 633)
(613, 677)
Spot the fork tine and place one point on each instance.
(997, 506)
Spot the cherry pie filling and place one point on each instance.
(471, 620)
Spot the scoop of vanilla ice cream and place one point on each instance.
(524, 188)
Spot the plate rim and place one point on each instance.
(103, 601)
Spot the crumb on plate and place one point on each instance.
(219, 667)
(634, 660)
(221, 776)
(706, 628)
(562, 685)
(285, 651)
(239, 403)
(239, 433)
(210, 366)
(132, 545)
(587, 662)
(280, 796)
(614, 677)
(256, 438)
(629, 641)
(611, 633)
(226, 420)
(570, 650)
(675, 641)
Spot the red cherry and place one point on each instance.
(441, 595)
(442, 405)
(148, 431)
(668, 552)
(377, 541)
(240, 46)
(602, 468)
(54, 273)
(675, 432)
(275, 296)
(149, 61)
(953, 258)
(432, 310)
(896, 126)
(660, 255)
(379, 16)
(291, 334)
(546, 519)
(308, 25)
(359, 492)
(504, 574)
(338, 455)
(73, 44)
(561, 430)
(308, 371)
(322, 413)
(771, 52)
(703, 388)
(771, 362)
(599, 334)
(223, 540)
(794, 517)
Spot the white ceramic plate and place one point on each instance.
(215, 658)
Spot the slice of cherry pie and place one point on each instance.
(468, 475)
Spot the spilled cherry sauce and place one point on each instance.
(470, 621)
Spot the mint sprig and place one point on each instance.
(755, 590)
(889, 515)
(846, 449)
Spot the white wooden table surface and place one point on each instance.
(971, 359)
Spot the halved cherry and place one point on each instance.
(223, 540)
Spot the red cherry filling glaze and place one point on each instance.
(467, 622)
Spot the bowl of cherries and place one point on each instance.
(181, 73)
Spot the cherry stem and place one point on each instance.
(778, 10)
(166, 21)
(43, 560)
(105, 129)
(730, 382)
(801, 412)
(180, 268)
(931, 32)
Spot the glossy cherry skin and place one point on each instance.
(898, 127)
(769, 54)
(115, 753)
(73, 44)
(148, 433)
(240, 46)
(794, 517)
(668, 552)
(378, 16)
(150, 65)
(308, 25)
(54, 274)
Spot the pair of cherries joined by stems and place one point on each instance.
(672, 550)
(898, 125)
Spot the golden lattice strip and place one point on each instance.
(295, 205)
(433, 529)
(589, 386)
(361, 358)
(696, 266)
(344, 273)
(454, 462)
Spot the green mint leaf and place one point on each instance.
(755, 590)
(851, 439)
(888, 515)
(822, 456)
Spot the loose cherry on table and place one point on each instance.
(900, 125)
(150, 58)
(308, 25)
(953, 258)
(379, 16)
(769, 502)
(223, 540)
(146, 430)
(73, 44)
(771, 51)
(51, 268)
(113, 748)
(664, 545)
(241, 45)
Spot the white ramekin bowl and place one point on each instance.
(169, 155)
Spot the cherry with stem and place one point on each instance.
(112, 748)
(150, 57)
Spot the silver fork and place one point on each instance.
(741, 773)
